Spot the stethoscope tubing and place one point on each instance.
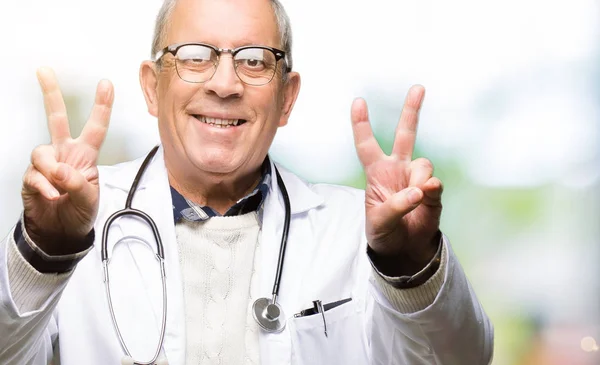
(284, 235)
(161, 256)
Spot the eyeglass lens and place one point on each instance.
(197, 64)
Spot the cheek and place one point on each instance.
(174, 96)
(271, 104)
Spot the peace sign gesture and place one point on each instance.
(60, 187)
(402, 198)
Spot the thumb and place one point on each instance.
(404, 201)
(74, 183)
(396, 207)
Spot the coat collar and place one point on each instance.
(121, 176)
(302, 198)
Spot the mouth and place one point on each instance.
(218, 122)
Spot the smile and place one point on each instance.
(220, 123)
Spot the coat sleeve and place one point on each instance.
(28, 301)
(453, 330)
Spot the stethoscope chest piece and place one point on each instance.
(269, 315)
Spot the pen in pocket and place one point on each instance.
(326, 307)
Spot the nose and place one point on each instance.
(225, 83)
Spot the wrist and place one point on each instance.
(43, 262)
(408, 262)
(423, 253)
(53, 244)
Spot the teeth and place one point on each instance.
(217, 122)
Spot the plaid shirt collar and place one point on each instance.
(190, 211)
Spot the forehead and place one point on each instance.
(224, 23)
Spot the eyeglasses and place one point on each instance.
(198, 62)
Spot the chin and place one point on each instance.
(219, 162)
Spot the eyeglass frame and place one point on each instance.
(172, 49)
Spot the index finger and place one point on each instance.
(406, 132)
(56, 111)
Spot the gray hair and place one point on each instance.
(283, 24)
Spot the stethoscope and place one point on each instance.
(266, 312)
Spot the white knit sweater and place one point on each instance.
(217, 260)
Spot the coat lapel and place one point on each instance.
(275, 348)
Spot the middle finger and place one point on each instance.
(406, 131)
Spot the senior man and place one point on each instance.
(261, 267)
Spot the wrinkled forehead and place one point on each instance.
(224, 23)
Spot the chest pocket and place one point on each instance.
(345, 342)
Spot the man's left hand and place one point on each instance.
(403, 199)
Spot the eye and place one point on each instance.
(254, 63)
(195, 54)
(195, 60)
(252, 59)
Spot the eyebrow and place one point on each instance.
(248, 42)
(245, 42)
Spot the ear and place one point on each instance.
(291, 89)
(149, 81)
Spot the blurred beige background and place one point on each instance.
(511, 121)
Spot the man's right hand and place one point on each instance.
(60, 187)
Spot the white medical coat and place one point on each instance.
(325, 260)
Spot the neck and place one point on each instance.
(218, 191)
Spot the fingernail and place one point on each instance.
(53, 194)
(414, 196)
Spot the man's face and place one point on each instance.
(183, 108)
